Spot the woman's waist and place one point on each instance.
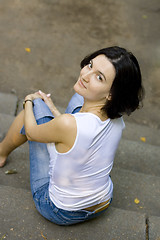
(99, 207)
(77, 199)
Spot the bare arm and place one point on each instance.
(50, 104)
(61, 129)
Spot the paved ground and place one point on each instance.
(42, 43)
(60, 33)
(134, 213)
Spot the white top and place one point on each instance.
(80, 178)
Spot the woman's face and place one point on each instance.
(95, 80)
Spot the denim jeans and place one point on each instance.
(39, 170)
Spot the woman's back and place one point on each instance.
(80, 177)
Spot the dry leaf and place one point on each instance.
(4, 236)
(27, 49)
(136, 200)
(11, 171)
(43, 236)
(143, 139)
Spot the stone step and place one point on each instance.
(133, 156)
(154, 228)
(130, 186)
(8, 103)
(5, 120)
(19, 160)
(20, 220)
(135, 131)
(138, 157)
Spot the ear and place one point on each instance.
(109, 97)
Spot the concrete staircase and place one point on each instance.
(135, 210)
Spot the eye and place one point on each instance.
(90, 65)
(99, 77)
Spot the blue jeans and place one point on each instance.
(39, 168)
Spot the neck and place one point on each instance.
(93, 107)
(96, 107)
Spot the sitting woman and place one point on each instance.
(72, 154)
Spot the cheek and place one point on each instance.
(100, 90)
(97, 86)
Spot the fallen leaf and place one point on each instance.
(4, 236)
(43, 236)
(11, 171)
(143, 139)
(28, 49)
(136, 200)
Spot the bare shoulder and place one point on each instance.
(67, 129)
(66, 121)
(66, 118)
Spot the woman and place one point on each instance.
(72, 154)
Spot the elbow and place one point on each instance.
(29, 138)
(28, 135)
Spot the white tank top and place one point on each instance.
(80, 177)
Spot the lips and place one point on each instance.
(81, 83)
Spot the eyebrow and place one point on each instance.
(98, 70)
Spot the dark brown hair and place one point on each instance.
(126, 91)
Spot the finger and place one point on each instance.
(48, 95)
(42, 93)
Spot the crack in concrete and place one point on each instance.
(147, 228)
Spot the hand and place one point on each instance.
(33, 96)
(46, 98)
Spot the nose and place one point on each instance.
(86, 76)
